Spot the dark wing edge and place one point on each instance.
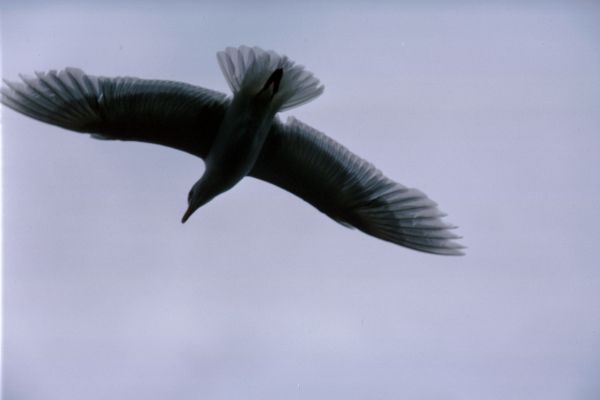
(168, 113)
(352, 191)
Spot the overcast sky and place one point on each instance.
(490, 110)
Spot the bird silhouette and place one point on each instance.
(241, 136)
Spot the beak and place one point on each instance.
(187, 214)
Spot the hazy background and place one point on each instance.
(493, 110)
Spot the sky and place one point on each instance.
(491, 109)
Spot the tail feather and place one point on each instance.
(248, 68)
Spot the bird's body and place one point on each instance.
(241, 137)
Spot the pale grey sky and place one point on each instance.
(492, 110)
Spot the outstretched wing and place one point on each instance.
(350, 190)
(173, 114)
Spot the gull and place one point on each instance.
(241, 136)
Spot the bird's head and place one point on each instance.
(200, 194)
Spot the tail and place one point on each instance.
(247, 68)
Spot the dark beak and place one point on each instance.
(187, 214)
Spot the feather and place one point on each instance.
(247, 68)
(352, 191)
(173, 114)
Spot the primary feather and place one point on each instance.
(292, 155)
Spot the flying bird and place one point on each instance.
(241, 136)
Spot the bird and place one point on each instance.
(238, 136)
